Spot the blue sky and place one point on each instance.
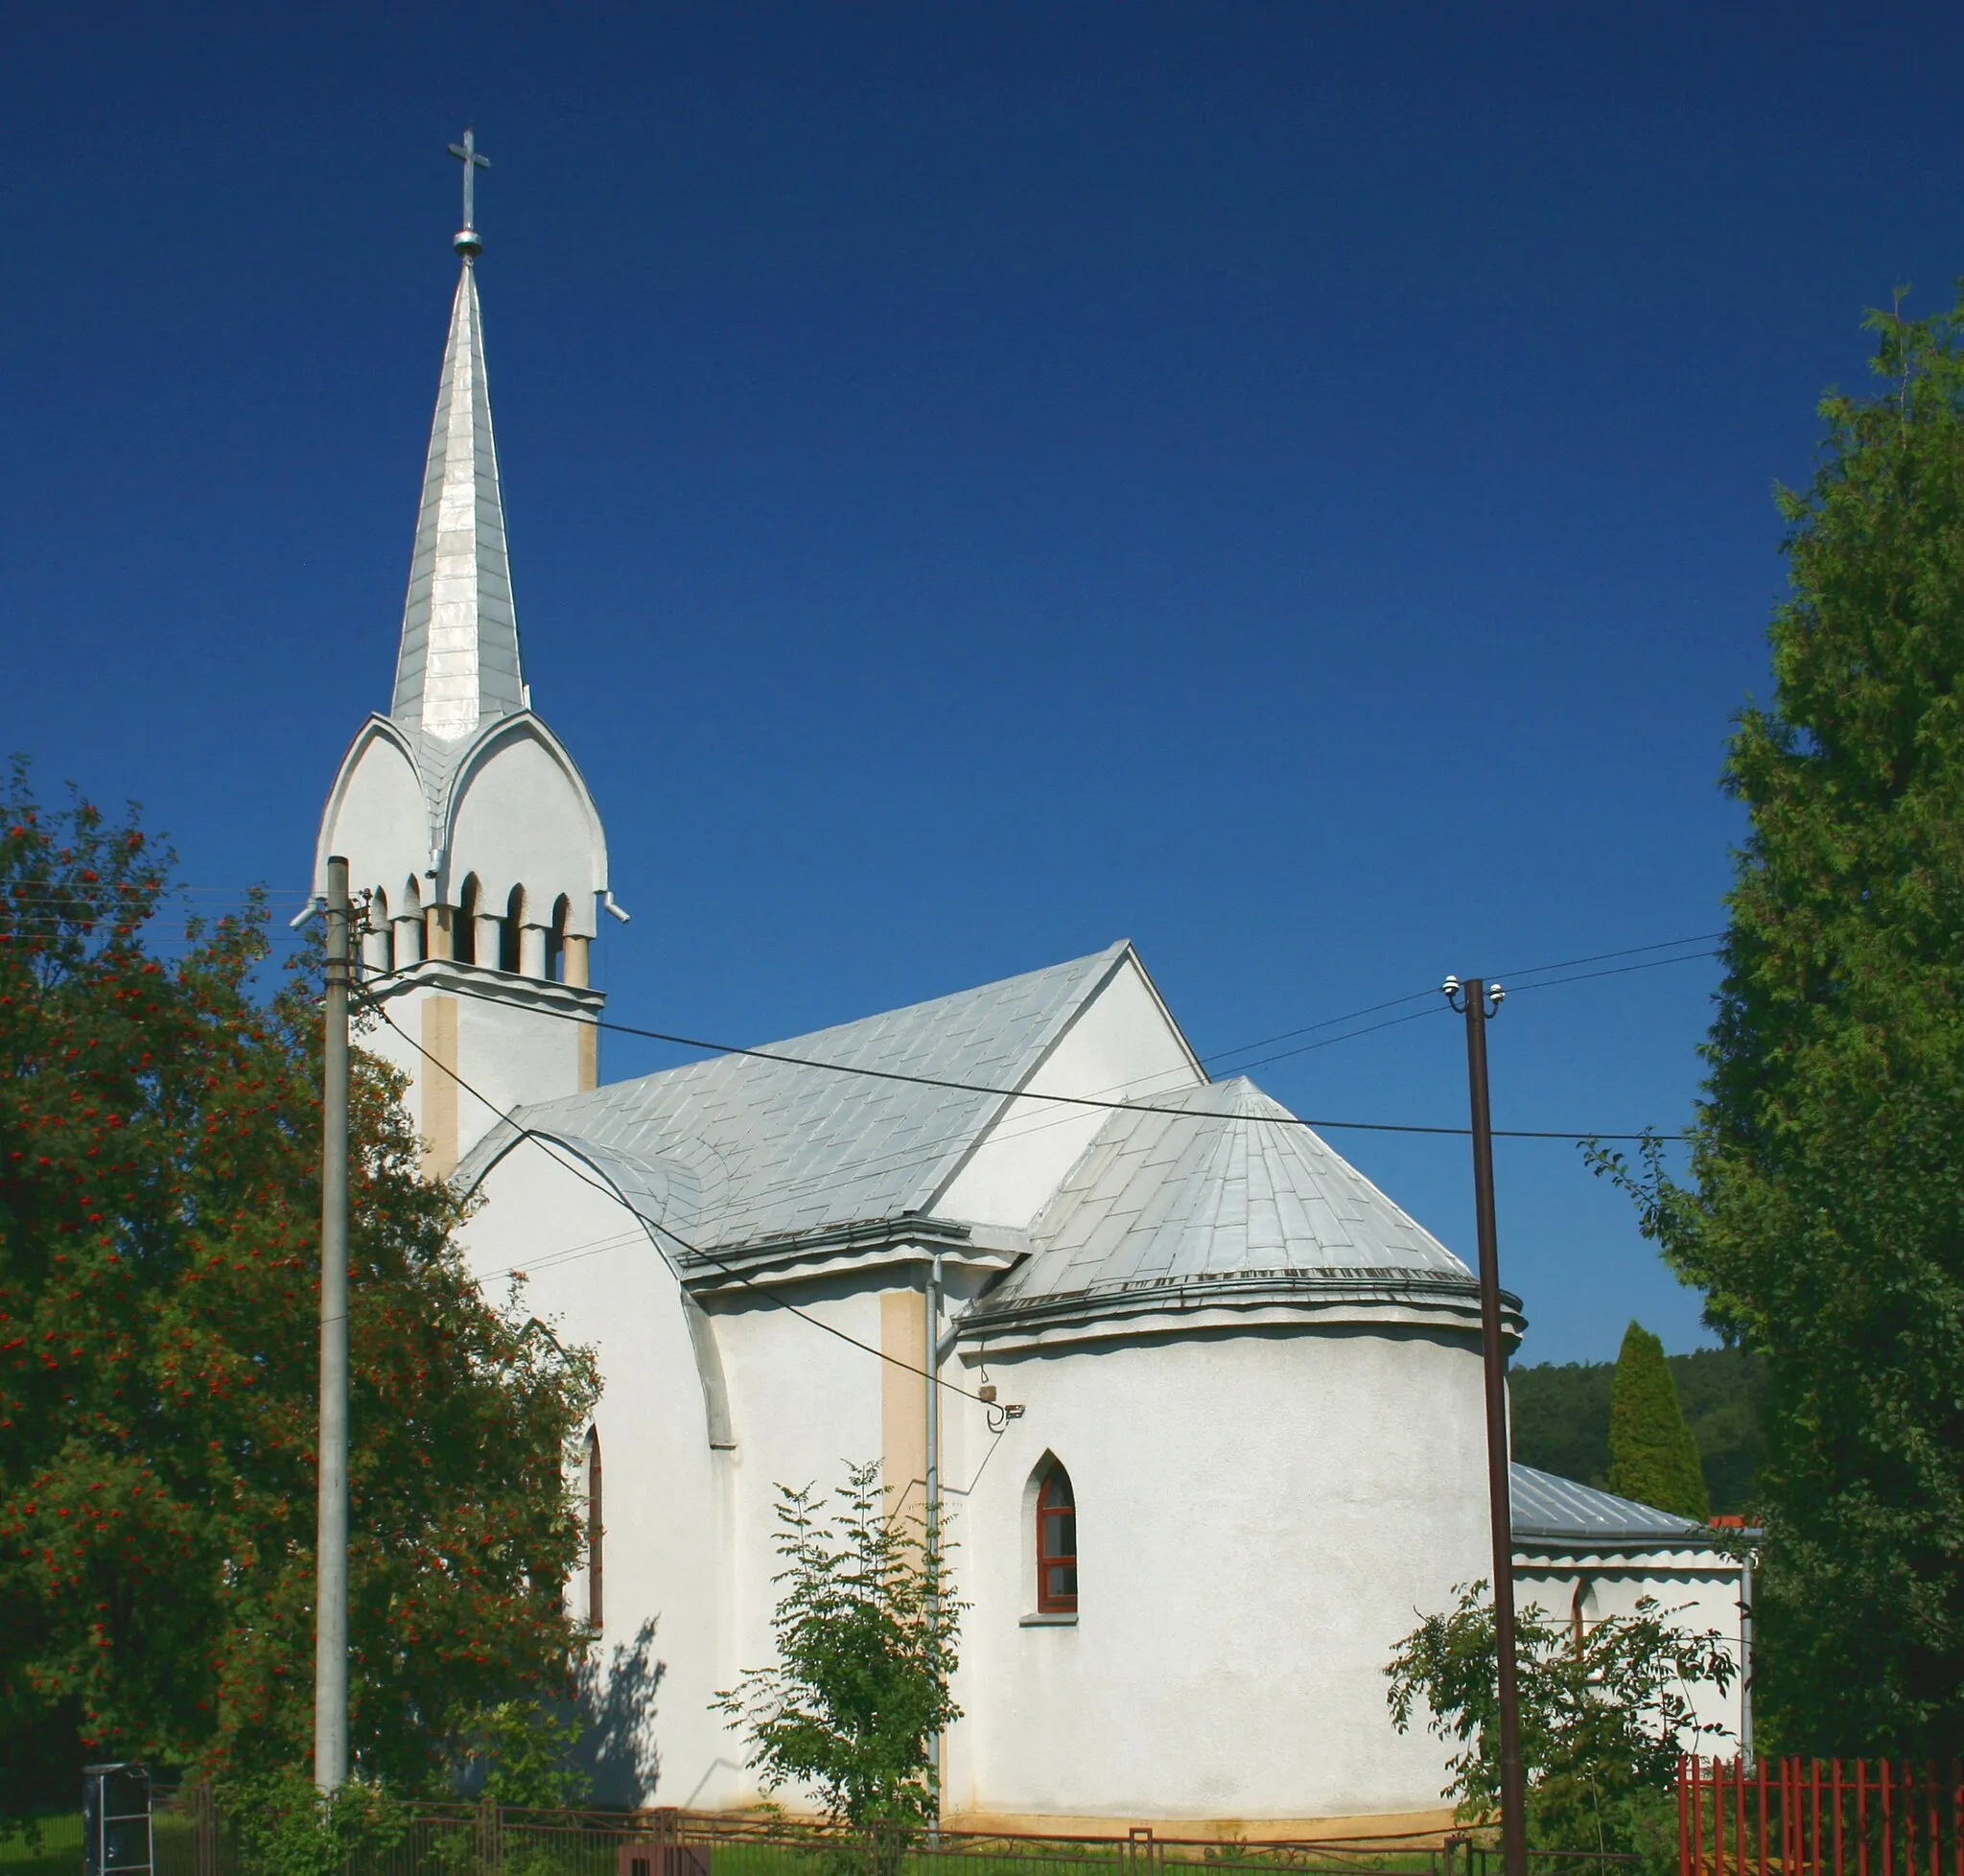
(1288, 484)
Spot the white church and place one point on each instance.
(1207, 1424)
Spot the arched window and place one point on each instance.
(1583, 1613)
(596, 1530)
(465, 947)
(1057, 1545)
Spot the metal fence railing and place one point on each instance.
(1819, 1817)
(195, 1837)
(505, 1840)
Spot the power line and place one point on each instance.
(1032, 1094)
(1620, 970)
(1329, 1022)
(1598, 957)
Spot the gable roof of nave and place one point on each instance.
(740, 1148)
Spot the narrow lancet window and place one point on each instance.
(1057, 1545)
(597, 1532)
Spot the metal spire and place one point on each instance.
(458, 666)
(467, 241)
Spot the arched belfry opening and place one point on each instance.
(378, 939)
(555, 939)
(508, 932)
(467, 921)
(408, 924)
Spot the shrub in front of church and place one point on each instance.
(1606, 1711)
(160, 1205)
(867, 1639)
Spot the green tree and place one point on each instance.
(1652, 1456)
(160, 1193)
(1604, 1717)
(1824, 1217)
(867, 1640)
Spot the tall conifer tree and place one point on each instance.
(1653, 1456)
(1825, 1218)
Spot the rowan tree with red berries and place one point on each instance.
(159, 1297)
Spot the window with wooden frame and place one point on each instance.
(595, 1529)
(1057, 1545)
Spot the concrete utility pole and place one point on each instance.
(1473, 998)
(331, 1594)
(933, 1496)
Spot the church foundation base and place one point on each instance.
(1421, 1827)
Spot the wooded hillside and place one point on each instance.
(1561, 1419)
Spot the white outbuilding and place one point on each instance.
(1206, 1409)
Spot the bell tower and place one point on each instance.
(464, 821)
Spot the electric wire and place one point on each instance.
(1509, 977)
(1620, 970)
(1091, 1101)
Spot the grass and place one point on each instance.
(58, 1852)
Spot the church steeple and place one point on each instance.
(458, 664)
(467, 827)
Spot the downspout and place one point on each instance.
(1745, 1656)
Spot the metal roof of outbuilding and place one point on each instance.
(1549, 1507)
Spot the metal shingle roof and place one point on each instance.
(1216, 1189)
(1548, 1506)
(458, 663)
(738, 1148)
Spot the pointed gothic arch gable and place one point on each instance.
(377, 812)
(518, 813)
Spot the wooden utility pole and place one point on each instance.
(331, 1558)
(1479, 1003)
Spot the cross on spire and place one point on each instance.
(467, 242)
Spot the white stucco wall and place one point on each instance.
(1260, 1518)
(806, 1405)
(594, 1277)
(506, 1054)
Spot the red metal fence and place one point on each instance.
(1819, 1817)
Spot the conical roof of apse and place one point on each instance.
(1218, 1198)
(458, 664)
